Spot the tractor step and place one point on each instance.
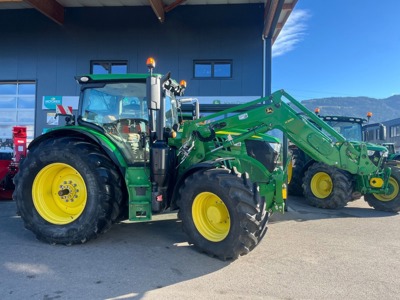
(139, 203)
(139, 211)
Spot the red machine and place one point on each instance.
(9, 160)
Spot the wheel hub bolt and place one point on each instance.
(63, 192)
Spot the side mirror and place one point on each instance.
(153, 93)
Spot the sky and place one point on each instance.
(339, 48)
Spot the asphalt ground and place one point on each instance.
(307, 253)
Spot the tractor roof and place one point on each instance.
(113, 77)
(344, 119)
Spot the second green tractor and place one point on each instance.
(327, 186)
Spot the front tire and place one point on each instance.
(67, 191)
(391, 201)
(326, 186)
(222, 213)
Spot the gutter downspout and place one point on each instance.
(264, 68)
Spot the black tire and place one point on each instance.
(247, 215)
(298, 162)
(8, 182)
(95, 174)
(390, 202)
(326, 186)
(394, 163)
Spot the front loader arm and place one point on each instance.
(272, 112)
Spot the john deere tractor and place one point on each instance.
(326, 186)
(126, 155)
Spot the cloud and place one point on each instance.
(292, 33)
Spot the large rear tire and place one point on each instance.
(222, 213)
(67, 191)
(326, 186)
(391, 201)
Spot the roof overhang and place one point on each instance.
(276, 12)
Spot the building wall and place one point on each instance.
(35, 48)
(393, 132)
(392, 135)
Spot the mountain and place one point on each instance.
(382, 109)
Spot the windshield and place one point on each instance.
(121, 110)
(351, 131)
(114, 101)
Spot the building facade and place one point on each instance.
(393, 132)
(217, 49)
(385, 132)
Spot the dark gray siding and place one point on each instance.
(35, 48)
(389, 131)
(392, 128)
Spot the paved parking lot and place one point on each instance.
(308, 253)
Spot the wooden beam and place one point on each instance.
(270, 11)
(173, 5)
(267, 4)
(51, 8)
(289, 6)
(279, 26)
(158, 8)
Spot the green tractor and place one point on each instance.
(127, 156)
(329, 187)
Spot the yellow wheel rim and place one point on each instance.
(393, 191)
(59, 193)
(211, 217)
(321, 185)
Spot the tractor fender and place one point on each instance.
(208, 164)
(106, 144)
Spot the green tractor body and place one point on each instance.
(328, 187)
(127, 155)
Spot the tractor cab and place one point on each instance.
(349, 127)
(120, 109)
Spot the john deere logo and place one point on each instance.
(50, 102)
(217, 101)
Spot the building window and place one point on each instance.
(108, 67)
(395, 131)
(212, 69)
(17, 108)
(376, 134)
